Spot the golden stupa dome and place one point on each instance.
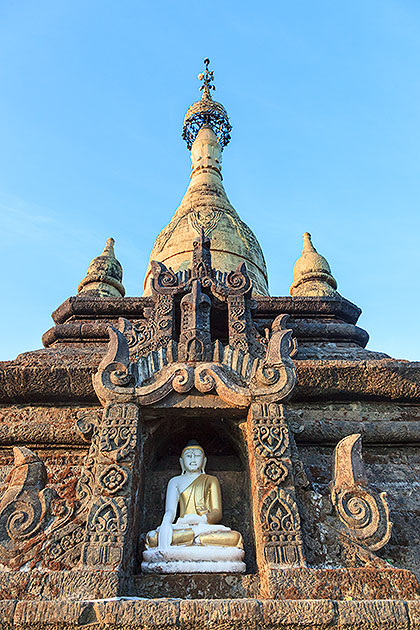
(205, 205)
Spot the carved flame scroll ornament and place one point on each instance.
(24, 508)
(146, 362)
(363, 514)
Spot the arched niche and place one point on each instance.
(225, 447)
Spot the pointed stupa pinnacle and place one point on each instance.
(312, 273)
(205, 206)
(104, 275)
(206, 77)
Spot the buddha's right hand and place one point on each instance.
(165, 536)
(193, 519)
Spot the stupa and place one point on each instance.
(208, 455)
(205, 205)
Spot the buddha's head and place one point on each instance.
(193, 459)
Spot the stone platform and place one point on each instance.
(290, 583)
(223, 614)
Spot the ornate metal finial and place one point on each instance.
(207, 111)
(207, 77)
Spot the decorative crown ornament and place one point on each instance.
(206, 110)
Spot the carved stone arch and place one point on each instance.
(105, 530)
(108, 517)
(279, 512)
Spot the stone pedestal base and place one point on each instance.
(222, 614)
(194, 559)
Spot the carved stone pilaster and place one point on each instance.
(109, 536)
(195, 338)
(238, 324)
(276, 516)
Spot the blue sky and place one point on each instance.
(324, 101)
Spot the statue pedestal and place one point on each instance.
(194, 559)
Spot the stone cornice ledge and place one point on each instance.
(221, 614)
(386, 379)
(95, 307)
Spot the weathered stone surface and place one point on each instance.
(160, 613)
(218, 615)
(53, 614)
(277, 528)
(293, 584)
(35, 425)
(390, 614)
(196, 586)
(390, 468)
(356, 380)
(413, 608)
(311, 614)
(64, 375)
(364, 515)
(221, 614)
(324, 326)
(7, 611)
(378, 422)
(81, 306)
(50, 376)
(112, 483)
(340, 584)
(51, 585)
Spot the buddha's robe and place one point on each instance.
(202, 496)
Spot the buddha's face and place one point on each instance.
(193, 459)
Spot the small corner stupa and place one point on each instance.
(205, 205)
(104, 275)
(312, 273)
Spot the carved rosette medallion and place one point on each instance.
(275, 471)
(113, 478)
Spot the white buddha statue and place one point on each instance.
(196, 542)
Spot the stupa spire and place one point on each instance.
(312, 273)
(104, 275)
(205, 206)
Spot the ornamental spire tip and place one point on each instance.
(206, 111)
(207, 77)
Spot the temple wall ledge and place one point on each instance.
(317, 379)
(223, 614)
